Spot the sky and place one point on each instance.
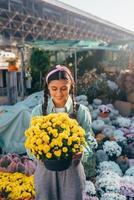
(119, 12)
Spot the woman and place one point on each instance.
(59, 97)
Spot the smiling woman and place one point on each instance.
(59, 91)
(59, 84)
(59, 98)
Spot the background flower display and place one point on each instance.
(55, 136)
(98, 86)
(16, 163)
(114, 154)
(16, 186)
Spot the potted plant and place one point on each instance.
(54, 139)
(112, 149)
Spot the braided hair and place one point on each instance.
(55, 74)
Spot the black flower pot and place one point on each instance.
(112, 158)
(58, 165)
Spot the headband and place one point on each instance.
(60, 68)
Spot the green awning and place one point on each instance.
(72, 45)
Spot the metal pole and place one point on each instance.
(15, 88)
(22, 71)
(8, 87)
(9, 6)
(75, 67)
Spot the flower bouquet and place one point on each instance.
(54, 139)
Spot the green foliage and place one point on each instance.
(39, 64)
(86, 60)
(39, 60)
(89, 167)
(89, 61)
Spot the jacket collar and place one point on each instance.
(68, 106)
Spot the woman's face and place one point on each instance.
(59, 91)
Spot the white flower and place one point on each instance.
(112, 148)
(130, 171)
(108, 182)
(95, 114)
(81, 98)
(118, 132)
(108, 173)
(108, 130)
(90, 188)
(97, 102)
(98, 125)
(112, 196)
(121, 139)
(123, 122)
(109, 165)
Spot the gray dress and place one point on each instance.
(68, 184)
(64, 185)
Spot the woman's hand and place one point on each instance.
(76, 158)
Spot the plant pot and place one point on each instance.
(13, 68)
(58, 165)
(112, 158)
(104, 114)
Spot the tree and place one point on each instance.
(39, 63)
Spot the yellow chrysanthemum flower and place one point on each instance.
(46, 148)
(17, 185)
(64, 149)
(73, 150)
(38, 141)
(76, 146)
(57, 153)
(48, 155)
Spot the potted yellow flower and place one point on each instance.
(54, 139)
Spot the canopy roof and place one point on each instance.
(72, 45)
